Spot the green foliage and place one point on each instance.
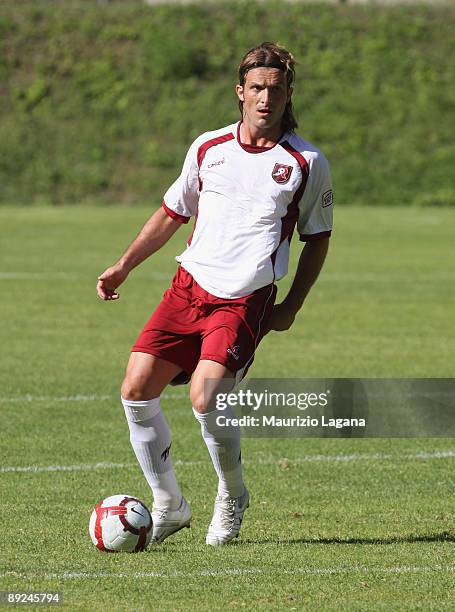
(100, 101)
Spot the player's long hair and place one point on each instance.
(270, 55)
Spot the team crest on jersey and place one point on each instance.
(281, 173)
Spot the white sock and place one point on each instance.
(223, 444)
(151, 441)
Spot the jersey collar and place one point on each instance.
(254, 148)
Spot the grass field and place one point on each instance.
(333, 524)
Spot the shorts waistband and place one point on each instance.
(186, 281)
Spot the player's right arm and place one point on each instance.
(179, 205)
(155, 233)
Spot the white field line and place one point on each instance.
(82, 467)
(327, 276)
(74, 398)
(175, 395)
(382, 2)
(383, 276)
(47, 398)
(235, 571)
(39, 276)
(88, 467)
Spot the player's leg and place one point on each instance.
(232, 332)
(223, 444)
(146, 377)
(166, 346)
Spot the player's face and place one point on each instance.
(264, 96)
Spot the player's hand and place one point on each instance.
(108, 282)
(281, 318)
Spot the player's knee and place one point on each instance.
(197, 400)
(133, 390)
(203, 398)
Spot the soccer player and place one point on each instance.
(247, 185)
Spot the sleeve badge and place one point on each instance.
(327, 198)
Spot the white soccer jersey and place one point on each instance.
(247, 201)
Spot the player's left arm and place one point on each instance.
(314, 227)
(310, 264)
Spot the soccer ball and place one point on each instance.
(121, 522)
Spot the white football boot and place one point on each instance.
(166, 522)
(227, 519)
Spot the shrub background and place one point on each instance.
(100, 102)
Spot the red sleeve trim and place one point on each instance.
(213, 142)
(174, 215)
(310, 237)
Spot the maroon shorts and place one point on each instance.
(190, 324)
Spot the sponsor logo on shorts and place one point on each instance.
(281, 173)
(234, 351)
(327, 198)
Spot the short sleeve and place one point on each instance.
(181, 199)
(316, 206)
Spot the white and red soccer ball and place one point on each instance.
(121, 523)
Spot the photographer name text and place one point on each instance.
(285, 422)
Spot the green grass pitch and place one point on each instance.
(333, 524)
